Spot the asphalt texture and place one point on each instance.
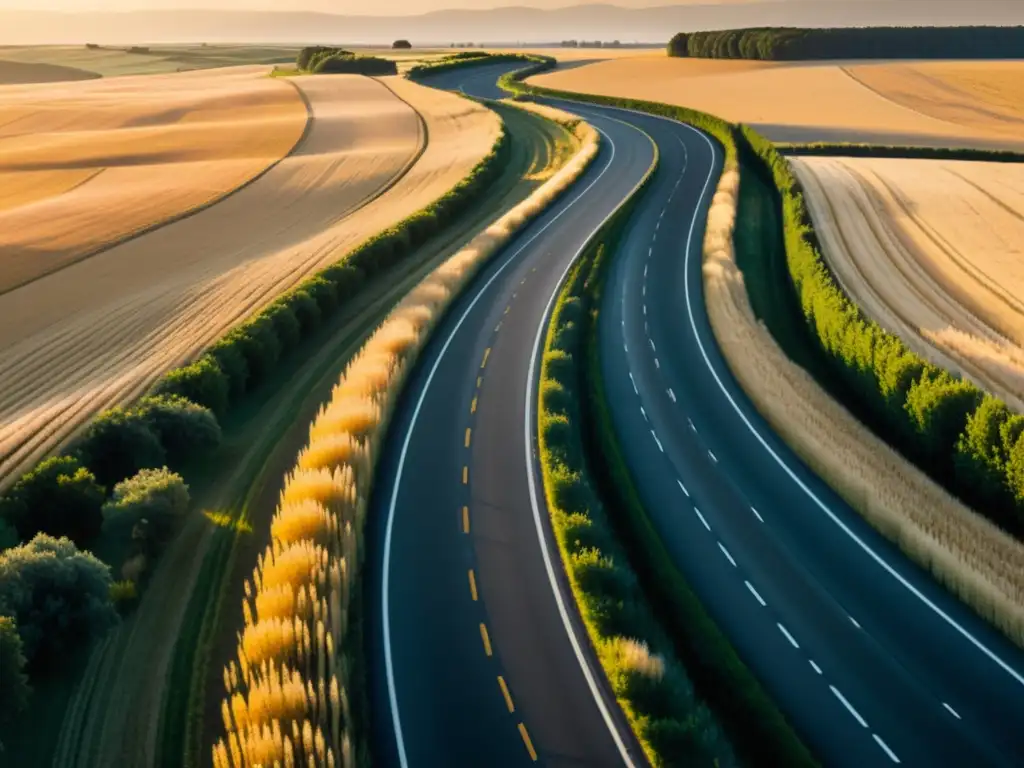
(871, 660)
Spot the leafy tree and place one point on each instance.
(118, 444)
(980, 454)
(58, 597)
(156, 495)
(14, 688)
(400, 45)
(185, 430)
(59, 497)
(229, 358)
(203, 382)
(939, 405)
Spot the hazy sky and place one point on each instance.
(376, 7)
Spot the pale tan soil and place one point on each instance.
(804, 101)
(83, 165)
(987, 95)
(931, 250)
(973, 558)
(101, 331)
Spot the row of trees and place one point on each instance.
(965, 439)
(790, 43)
(321, 59)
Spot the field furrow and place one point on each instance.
(100, 331)
(931, 251)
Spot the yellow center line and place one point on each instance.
(472, 408)
(487, 353)
(527, 742)
(486, 639)
(506, 694)
(465, 475)
(465, 519)
(472, 585)
(469, 431)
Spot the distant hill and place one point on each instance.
(498, 26)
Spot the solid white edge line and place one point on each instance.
(756, 594)
(389, 530)
(885, 748)
(644, 413)
(952, 711)
(530, 421)
(660, 447)
(671, 394)
(725, 552)
(838, 694)
(783, 630)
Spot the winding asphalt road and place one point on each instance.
(870, 659)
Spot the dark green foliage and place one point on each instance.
(307, 56)
(790, 43)
(59, 497)
(14, 688)
(157, 496)
(259, 346)
(118, 444)
(58, 596)
(186, 431)
(341, 64)
(203, 382)
(399, 45)
(324, 293)
(306, 310)
(927, 153)
(287, 328)
(227, 353)
(939, 407)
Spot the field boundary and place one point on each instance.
(907, 151)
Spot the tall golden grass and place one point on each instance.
(287, 695)
(972, 557)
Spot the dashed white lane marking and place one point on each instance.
(625, 348)
(645, 270)
(792, 640)
(657, 363)
(644, 291)
(757, 514)
(713, 457)
(755, 594)
(650, 251)
(848, 705)
(683, 488)
(635, 390)
(702, 518)
(854, 621)
(660, 447)
(645, 310)
(815, 666)
(952, 711)
(885, 748)
(647, 330)
(644, 413)
(653, 348)
(691, 425)
(672, 395)
(725, 552)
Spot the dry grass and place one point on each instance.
(805, 101)
(963, 551)
(101, 331)
(287, 697)
(19, 72)
(931, 251)
(83, 165)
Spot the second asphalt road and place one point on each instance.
(478, 656)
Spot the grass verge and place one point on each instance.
(892, 150)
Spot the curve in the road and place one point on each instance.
(477, 653)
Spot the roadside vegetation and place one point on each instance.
(289, 698)
(823, 149)
(789, 43)
(323, 60)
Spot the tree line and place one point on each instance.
(320, 59)
(791, 43)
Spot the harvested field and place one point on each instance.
(973, 558)
(931, 250)
(18, 72)
(84, 165)
(820, 101)
(100, 331)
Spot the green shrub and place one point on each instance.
(14, 687)
(118, 444)
(286, 325)
(306, 310)
(156, 495)
(306, 55)
(59, 497)
(186, 431)
(8, 533)
(202, 382)
(58, 596)
(227, 353)
(124, 595)
(325, 292)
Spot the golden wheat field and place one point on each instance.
(100, 331)
(83, 165)
(815, 101)
(931, 250)
(976, 560)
